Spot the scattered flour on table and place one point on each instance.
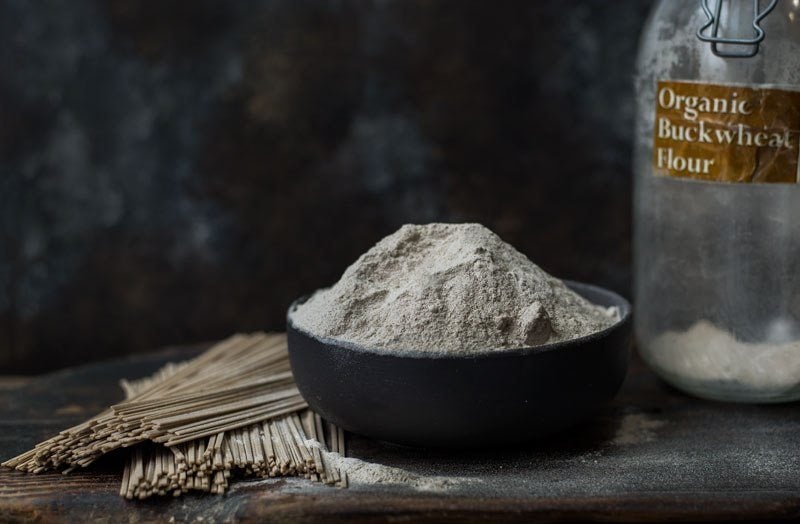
(449, 288)
(363, 473)
(706, 352)
(636, 428)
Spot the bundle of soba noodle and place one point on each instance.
(233, 410)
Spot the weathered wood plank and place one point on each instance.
(655, 454)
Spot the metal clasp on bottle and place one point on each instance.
(750, 43)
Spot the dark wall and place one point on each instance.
(172, 174)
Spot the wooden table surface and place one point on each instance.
(654, 454)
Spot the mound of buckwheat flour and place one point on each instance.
(448, 288)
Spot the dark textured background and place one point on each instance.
(173, 173)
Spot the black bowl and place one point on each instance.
(495, 399)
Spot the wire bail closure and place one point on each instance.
(714, 23)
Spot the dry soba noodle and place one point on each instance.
(233, 410)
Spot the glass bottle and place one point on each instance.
(717, 198)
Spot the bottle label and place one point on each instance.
(727, 133)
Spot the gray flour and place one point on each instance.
(448, 288)
(706, 353)
(362, 473)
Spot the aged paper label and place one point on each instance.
(727, 133)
